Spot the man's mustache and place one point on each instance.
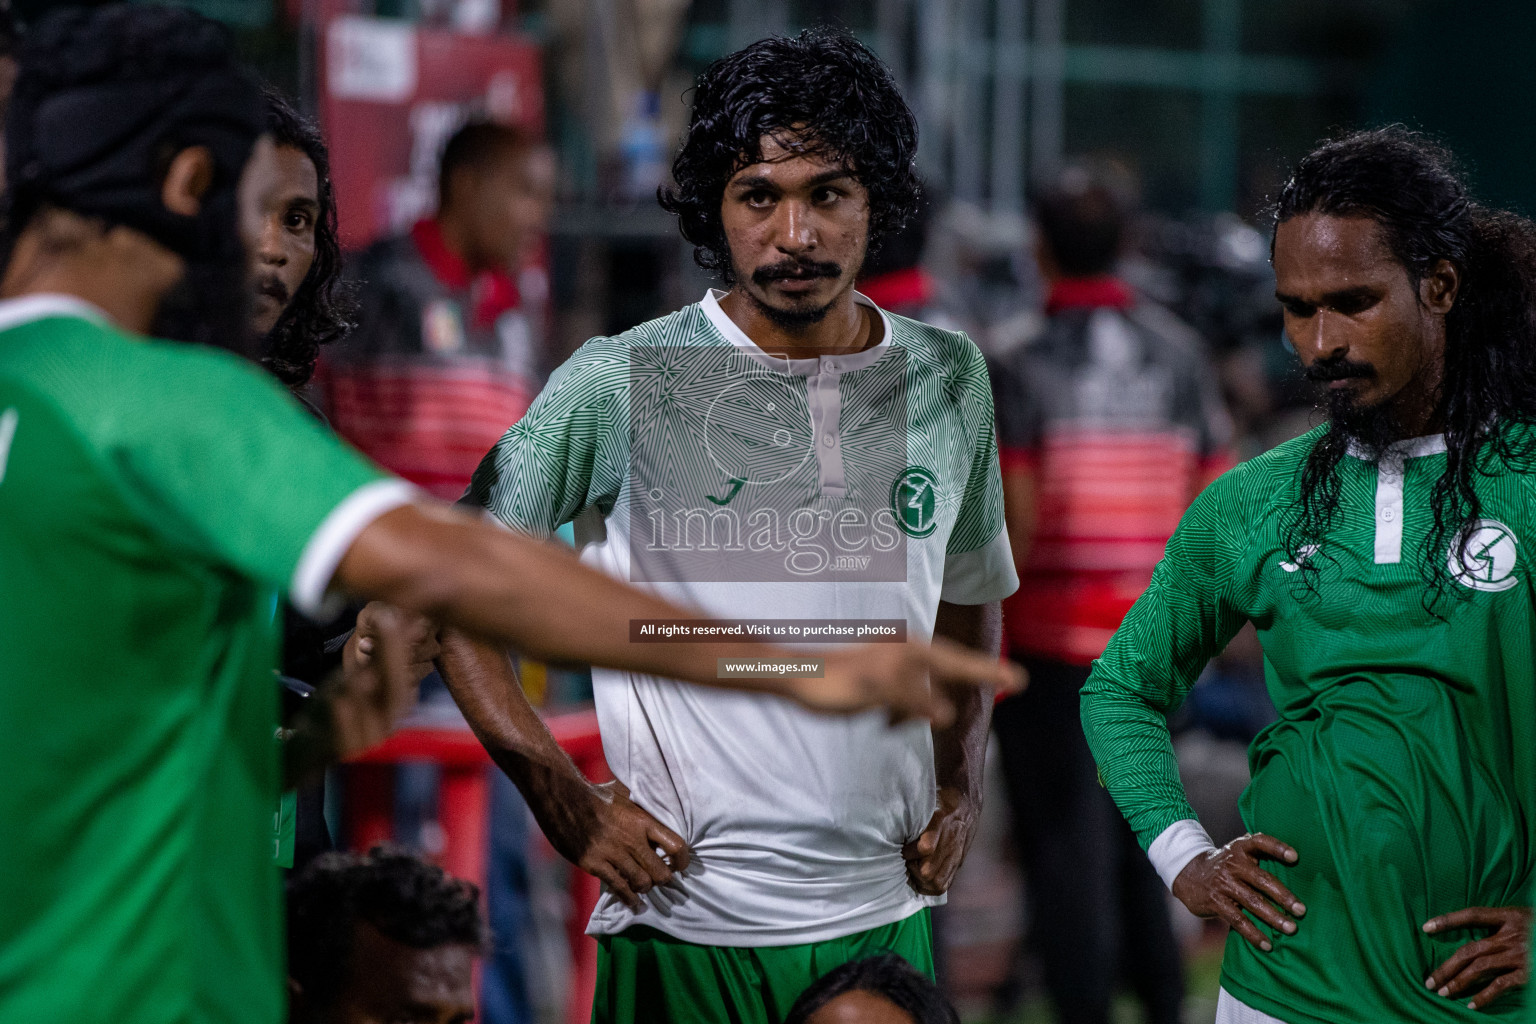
(795, 270)
(1338, 368)
(274, 287)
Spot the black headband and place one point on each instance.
(101, 148)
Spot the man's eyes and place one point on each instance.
(298, 221)
(1354, 304)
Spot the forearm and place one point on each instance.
(1133, 748)
(483, 683)
(526, 594)
(960, 749)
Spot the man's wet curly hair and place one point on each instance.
(822, 90)
(323, 309)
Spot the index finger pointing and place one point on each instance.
(950, 663)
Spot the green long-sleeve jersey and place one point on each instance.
(1402, 767)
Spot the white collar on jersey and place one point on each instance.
(27, 308)
(797, 367)
(1409, 448)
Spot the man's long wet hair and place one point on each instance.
(1413, 190)
(323, 309)
(821, 92)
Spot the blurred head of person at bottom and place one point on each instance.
(381, 937)
(882, 989)
(299, 299)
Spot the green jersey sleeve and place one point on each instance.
(222, 462)
(1184, 618)
(569, 451)
(978, 560)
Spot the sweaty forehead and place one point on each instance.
(785, 159)
(1320, 252)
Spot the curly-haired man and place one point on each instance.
(782, 450)
(381, 936)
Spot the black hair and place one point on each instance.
(10, 32)
(104, 100)
(323, 308)
(903, 250)
(824, 92)
(474, 146)
(885, 975)
(1082, 216)
(403, 897)
(1413, 190)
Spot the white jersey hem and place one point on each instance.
(1231, 1010)
(758, 936)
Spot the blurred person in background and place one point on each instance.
(1383, 558)
(381, 937)
(882, 989)
(299, 303)
(446, 353)
(811, 841)
(1108, 424)
(447, 348)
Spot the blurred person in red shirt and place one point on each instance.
(446, 351)
(1109, 424)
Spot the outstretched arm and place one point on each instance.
(538, 598)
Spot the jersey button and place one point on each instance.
(1387, 515)
(826, 439)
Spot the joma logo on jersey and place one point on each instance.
(915, 501)
(1487, 560)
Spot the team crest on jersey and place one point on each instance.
(1487, 560)
(1302, 558)
(915, 501)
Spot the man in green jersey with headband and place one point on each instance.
(157, 497)
(1385, 560)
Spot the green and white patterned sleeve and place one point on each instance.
(569, 452)
(1182, 620)
(978, 561)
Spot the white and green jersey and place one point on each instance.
(157, 498)
(854, 487)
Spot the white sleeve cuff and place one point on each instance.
(980, 576)
(321, 556)
(1176, 846)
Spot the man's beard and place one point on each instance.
(211, 305)
(800, 317)
(1367, 429)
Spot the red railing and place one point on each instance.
(462, 807)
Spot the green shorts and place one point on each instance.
(647, 977)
